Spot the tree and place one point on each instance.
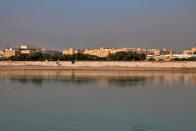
(126, 56)
(80, 56)
(119, 56)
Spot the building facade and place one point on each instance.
(1, 53)
(190, 52)
(102, 52)
(115, 50)
(26, 49)
(70, 51)
(10, 52)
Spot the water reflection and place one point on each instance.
(103, 79)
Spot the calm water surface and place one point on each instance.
(97, 101)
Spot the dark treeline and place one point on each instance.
(119, 56)
(126, 56)
(183, 59)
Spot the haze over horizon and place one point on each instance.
(95, 23)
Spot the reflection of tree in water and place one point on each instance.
(40, 80)
(128, 81)
(25, 81)
(78, 81)
(103, 80)
(122, 82)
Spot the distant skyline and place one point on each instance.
(59, 24)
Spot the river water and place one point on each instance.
(97, 101)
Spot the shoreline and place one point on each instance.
(99, 66)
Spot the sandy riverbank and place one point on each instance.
(99, 65)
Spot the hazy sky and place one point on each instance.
(61, 24)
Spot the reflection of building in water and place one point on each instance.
(156, 81)
(165, 79)
(102, 82)
(104, 79)
(168, 80)
(190, 80)
(193, 81)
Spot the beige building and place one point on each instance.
(155, 52)
(102, 52)
(70, 51)
(115, 50)
(189, 52)
(10, 52)
(141, 50)
(193, 50)
(1, 53)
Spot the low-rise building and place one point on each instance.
(141, 50)
(102, 52)
(10, 52)
(115, 50)
(1, 53)
(189, 52)
(166, 51)
(158, 52)
(194, 50)
(70, 51)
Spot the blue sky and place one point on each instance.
(61, 24)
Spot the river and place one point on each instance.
(97, 101)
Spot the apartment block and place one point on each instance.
(26, 49)
(10, 52)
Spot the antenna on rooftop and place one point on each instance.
(7, 45)
(29, 41)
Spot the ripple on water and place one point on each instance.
(141, 126)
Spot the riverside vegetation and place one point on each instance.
(119, 56)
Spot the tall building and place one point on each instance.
(27, 49)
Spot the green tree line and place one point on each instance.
(119, 56)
